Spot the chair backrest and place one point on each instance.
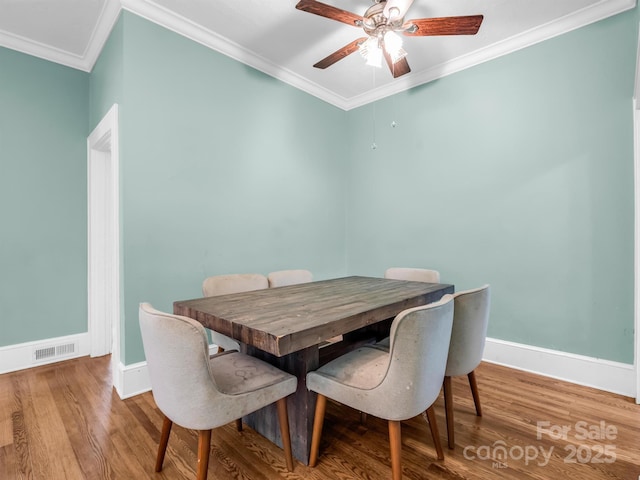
(419, 344)
(283, 278)
(413, 274)
(470, 320)
(177, 356)
(233, 283)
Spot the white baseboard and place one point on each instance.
(602, 374)
(21, 356)
(131, 380)
(128, 380)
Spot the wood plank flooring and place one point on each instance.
(64, 421)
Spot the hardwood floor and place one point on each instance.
(64, 421)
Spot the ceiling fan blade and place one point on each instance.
(467, 25)
(329, 11)
(399, 68)
(340, 54)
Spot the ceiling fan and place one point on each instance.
(382, 22)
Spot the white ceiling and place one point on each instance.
(276, 38)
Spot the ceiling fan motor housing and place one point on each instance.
(374, 22)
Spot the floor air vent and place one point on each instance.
(53, 352)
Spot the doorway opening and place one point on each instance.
(104, 241)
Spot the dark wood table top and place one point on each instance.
(284, 320)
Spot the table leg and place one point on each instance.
(301, 404)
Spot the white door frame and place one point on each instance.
(636, 242)
(104, 309)
(636, 248)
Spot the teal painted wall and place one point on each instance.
(43, 198)
(518, 173)
(224, 169)
(106, 89)
(107, 77)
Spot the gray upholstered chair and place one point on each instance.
(283, 278)
(394, 385)
(470, 320)
(413, 274)
(228, 284)
(201, 392)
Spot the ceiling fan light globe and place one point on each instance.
(393, 46)
(392, 41)
(374, 57)
(371, 52)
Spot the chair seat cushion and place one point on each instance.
(396, 384)
(363, 368)
(236, 373)
(352, 380)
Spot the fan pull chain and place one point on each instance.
(373, 144)
(394, 124)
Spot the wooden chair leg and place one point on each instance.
(363, 418)
(318, 420)
(430, 414)
(395, 445)
(283, 418)
(474, 392)
(239, 424)
(448, 409)
(204, 447)
(164, 440)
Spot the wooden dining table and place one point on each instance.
(290, 326)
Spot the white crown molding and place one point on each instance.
(40, 50)
(84, 62)
(100, 35)
(151, 11)
(576, 20)
(163, 17)
(159, 15)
